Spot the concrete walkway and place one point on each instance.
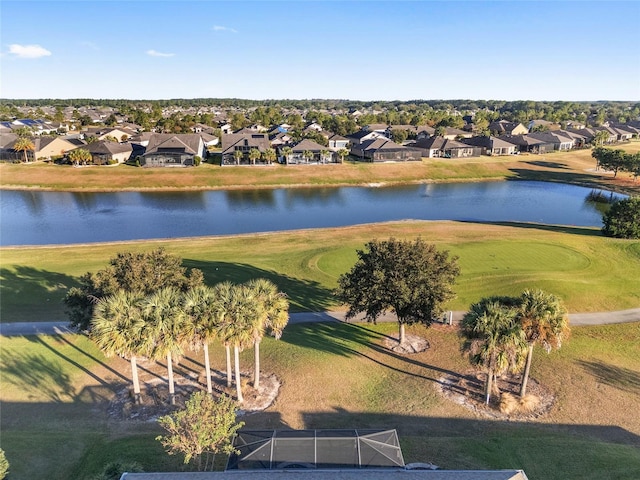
(575, 319)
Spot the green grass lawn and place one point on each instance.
(55, 393)
(590, 272)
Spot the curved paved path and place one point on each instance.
(575, 319)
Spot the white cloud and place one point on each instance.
(220, 28)
(154, 53)
(28, 51)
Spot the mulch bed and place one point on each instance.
(154, 401)
(468, 390)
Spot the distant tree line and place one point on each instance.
(414, 112)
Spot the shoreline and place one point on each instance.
(256, 186)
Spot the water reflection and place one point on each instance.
(174, 200)
(314, 197)
(35, 218)
(600, 200)
(242, 199)
(32, 200)
(85, 201)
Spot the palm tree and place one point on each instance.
(272, 316)
(494, 338)
(286, 153)
(544, 320)
(324, 154)
(307, 155)
(269, 155)
(342, 153)
(254, 154)
(600, 138)
(79, 155)
(222, 294)
(237, 156)
(24, 145)
(164, 315)
(117, 328)
(200, 307)
(236, 328)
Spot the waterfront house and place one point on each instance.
(173, 150)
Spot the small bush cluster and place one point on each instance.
(511, 404)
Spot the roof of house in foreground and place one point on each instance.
(362, 474)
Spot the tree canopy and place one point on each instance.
(142, 273)
(411, 278)
(623, 219)
(205, 426)
(617, 160)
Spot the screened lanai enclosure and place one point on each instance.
(316, 449)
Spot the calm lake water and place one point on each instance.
(38, 218)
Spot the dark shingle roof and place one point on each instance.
(308, 144)
(190, 142)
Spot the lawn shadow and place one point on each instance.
(593, 180)
(304, 295)
(29, 292)
(335, 337)
(542, 163)
(40, 374)
(617, 377)
(408, 425)
(584, 231)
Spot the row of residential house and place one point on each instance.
(150, 149)
(374, 143)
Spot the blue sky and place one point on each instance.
(360, 50)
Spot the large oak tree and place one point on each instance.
(139, 273)
(411, 278)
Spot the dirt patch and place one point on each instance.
(412, 344)
(468, 390)
(154, 398)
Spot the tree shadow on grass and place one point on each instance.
(37, 376)
(304, 295)
(336, 338)
(29, 292)
(617, 377)
(40, 374)
(575, 178)
(543, 163)
(584, 231)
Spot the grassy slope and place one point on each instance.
(54, 424)
(569, 167)
(590, 272)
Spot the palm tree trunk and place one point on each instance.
(525, 375)
(227, 349)
(135, 380)
(236, 357)
(256, 369)
(207, 368)
(401, 335)
(172, 390)
(488, 387)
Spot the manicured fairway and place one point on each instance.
(590, 272)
